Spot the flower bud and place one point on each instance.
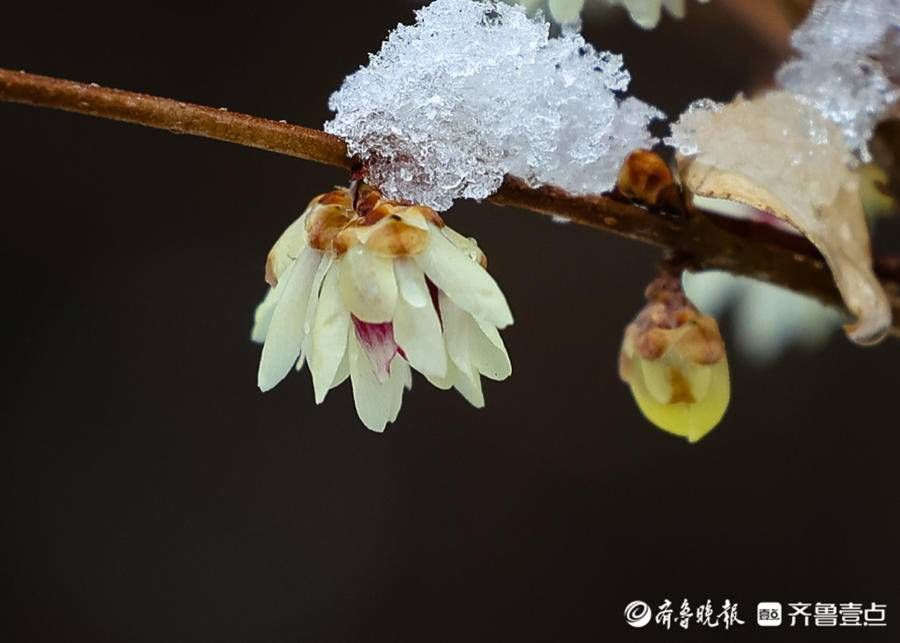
(673, 358)
(644, 176)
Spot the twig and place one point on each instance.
(707, 240)
(175, 116)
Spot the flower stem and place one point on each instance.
(706, 240)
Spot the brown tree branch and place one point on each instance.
(174, 116)
(705, 240)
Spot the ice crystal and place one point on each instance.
(846, 49)
(476, 90)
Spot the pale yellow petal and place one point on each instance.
(699, 379)
(488, 352)
(465, 282)
(675, 7)
(288, 247)
(469, 386)
(262, 316)
(411, 282)
(456, 334)
(467, 245)
(566, 11)
(444, 383)
(329, 336)
(324, 266)
(414, 217)
(343, 371)
(285, 336)
(401, 378)
(644, 13)
(656, 379)
(417, 332)
(372, 403)
(304, 351)
(689, 420)
(368, 285)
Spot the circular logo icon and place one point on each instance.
(637, 613)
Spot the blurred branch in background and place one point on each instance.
(705, 240)
(771, 20)
(886, 152)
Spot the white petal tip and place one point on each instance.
(439, 374)
(500, 318)
(266, 382)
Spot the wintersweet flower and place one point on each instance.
(365, 288)
(645, 13)
(673, 358)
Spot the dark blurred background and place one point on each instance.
(152, 493)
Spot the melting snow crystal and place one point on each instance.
(477, 90)
(846, 47)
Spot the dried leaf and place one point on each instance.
(779, 155)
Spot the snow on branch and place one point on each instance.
(704, 239)
(474, 91)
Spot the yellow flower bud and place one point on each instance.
(673, 358)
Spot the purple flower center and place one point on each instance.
(378, 342)
(377, 339)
